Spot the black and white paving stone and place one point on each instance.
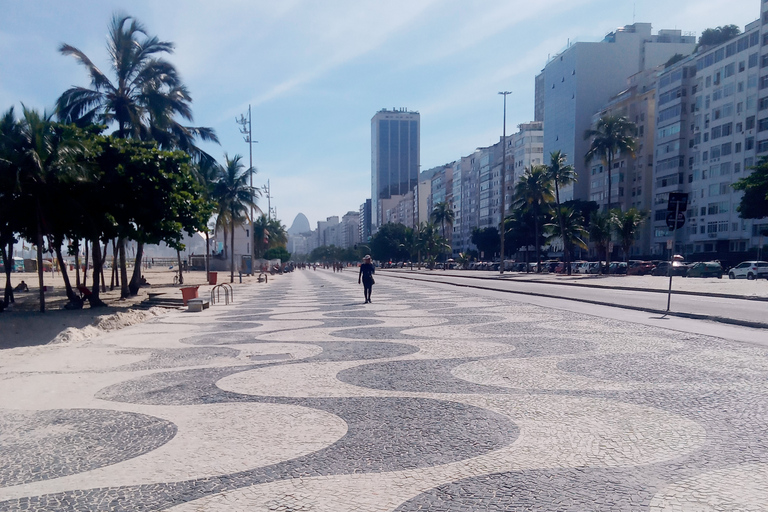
(299, 397)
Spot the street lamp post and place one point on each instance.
(503, 183)
(245, 129)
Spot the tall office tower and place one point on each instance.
(585, 76)
(395, 156)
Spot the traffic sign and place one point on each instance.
(678, 201)
(672, 224)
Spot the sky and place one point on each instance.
(315, 73)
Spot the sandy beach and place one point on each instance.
(23, 324)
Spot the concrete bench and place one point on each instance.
(197, 305)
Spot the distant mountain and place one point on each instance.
(300, 225)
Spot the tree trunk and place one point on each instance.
(232, 252)
(64, 274)
(8, 296)
(101, 267)
(135, 284)
(85, 272)
(40, 261)
(114, 278)
(178, 258)
(207, 258)
(76, 248)
(123, 269)
(95, 301)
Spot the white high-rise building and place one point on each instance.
(585, 76)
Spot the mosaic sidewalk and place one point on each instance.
(299, 397)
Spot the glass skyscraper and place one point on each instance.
(395, 157)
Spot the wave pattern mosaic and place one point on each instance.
(299, 397)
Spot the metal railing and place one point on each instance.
(229, 293)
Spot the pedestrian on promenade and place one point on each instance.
(366, 276)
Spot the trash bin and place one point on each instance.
(213, 277)
(189, 292)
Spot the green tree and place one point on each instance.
(10, 145)
(277, 253)
(261, 236)
(612, 135)
(390, 243)
(561, 174)
(486, 240)
(144, 100)
(234, 197)
(627, 224)
(569, 229)
(754, 202)
(208, 173)
(431, 243)
(534, 191)
(48, 157)
(718, 35)
(443, 214)
(278, 234)
(600, 233)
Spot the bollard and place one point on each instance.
(241, 278)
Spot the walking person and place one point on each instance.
(366, 276)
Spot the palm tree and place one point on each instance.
(534, 191)
(146, 96)
(261, 235)
(442, 213)
(626, 225)
(561, 174)
(600, 232)
(47, 157)
(208, 173)
(235, 197)
(612, 135)
(10, 144)
(278, 236)
(569, 229)
(144, 100)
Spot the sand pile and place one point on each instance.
(106, 323)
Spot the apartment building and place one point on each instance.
(632, 174)
(585, 76)
(712, 126)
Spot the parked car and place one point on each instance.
(576, 266)
(749, 270)
(705, 269)
(678, 269)
(639, 268)
(592, 267)
(617, 267)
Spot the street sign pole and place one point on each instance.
(671, 255)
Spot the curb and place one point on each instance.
(693, 316)
(602, 286)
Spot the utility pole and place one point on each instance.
(268, 194)
(503, 184)
(245, 129)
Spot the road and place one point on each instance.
(746, 311)
(299, 397)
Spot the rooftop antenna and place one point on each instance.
(634, 5)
